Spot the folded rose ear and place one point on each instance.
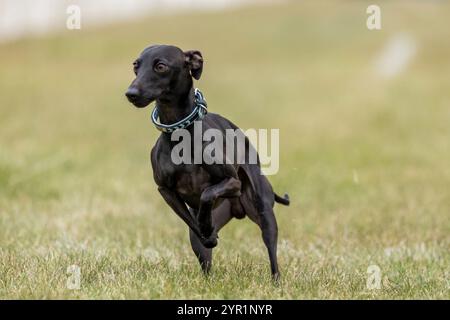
(194, 60)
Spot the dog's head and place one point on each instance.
(163, 72)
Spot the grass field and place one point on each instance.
(364, 159)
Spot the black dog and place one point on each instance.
(214, 193)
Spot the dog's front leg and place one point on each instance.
(178, 205)
(227, 188)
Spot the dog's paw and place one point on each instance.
(210, 242)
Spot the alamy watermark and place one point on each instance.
(373, 281)
(213, 146)
(74, 277)
(373, 22)
(73, 21)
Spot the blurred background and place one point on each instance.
(28, 17)
(364, 147)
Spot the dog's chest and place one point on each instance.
(191, 181)
(188, 180)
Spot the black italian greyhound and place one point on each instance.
(207, 195)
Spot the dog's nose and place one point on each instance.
(132, 94)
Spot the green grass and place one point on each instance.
(76, 185)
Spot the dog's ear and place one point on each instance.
(194, 60)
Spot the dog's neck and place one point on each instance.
(174, 109)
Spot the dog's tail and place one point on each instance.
(282, 200)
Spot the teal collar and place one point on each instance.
(197, 113)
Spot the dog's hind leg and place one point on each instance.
(261, 213)
(269, 231)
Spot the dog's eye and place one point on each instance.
(135, 67)
(161, 67)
